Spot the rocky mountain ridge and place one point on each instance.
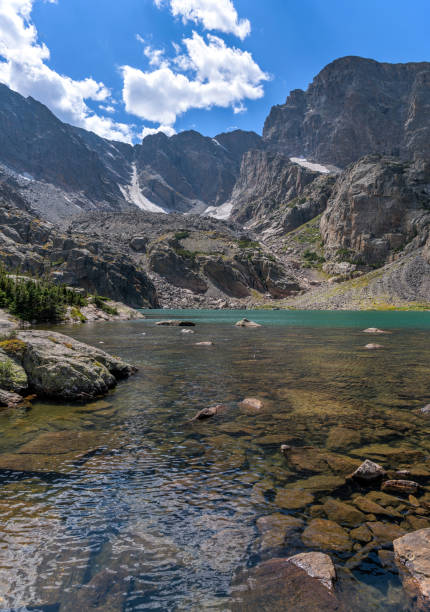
(62, 170)
(355, 107)
(301, 218)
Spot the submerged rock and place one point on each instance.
(276, 528)
(368, 471)
(175, 323)
(401, 486)
(385, 533)
(207, 413)
(251, 405)
(343, 513)
(53, 451)
(362, 534)
(316, 565)
(412, 557)
(341, 437)
(321, 533)
(291, 499)
(247, 323)
(372, 507)
(60, 367)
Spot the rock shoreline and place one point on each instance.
(56, 366)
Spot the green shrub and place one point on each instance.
(181, 235)
(77, 315)
(100, 302)
(312, 257)
(246, 243)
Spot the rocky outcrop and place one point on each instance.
(378, 206)
(38, 248)
(193, 260)
(59, 367)
(274, 196)
(354, 107)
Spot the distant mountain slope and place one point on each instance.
(62, 170)
(355, 107)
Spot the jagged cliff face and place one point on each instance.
(274, 195)
(190, 171)
(61, 170)
(355, 107)
(378, 206)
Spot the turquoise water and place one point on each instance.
(149, 511)
(303, 318)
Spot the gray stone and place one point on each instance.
(60, 367)
(316, 565)
(247, 323)
(412, 556)
(368, 471)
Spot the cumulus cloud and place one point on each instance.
(211, 14)
(23, 68)
(166, 129)
(221, 76)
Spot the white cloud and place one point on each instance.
(155, 56)
(166, 129)
(107, 108)
(24, 70)
(239, 108)
(223, 76)
(211, 14)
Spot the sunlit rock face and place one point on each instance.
(354, 107)
(378, 206)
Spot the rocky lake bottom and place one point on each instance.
(124, 504)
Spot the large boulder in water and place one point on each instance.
(60, 367)
(412, 556)
(285, 584)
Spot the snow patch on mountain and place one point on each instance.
(302, 161)
(133, 195)
(219, 212)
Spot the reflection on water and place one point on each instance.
(123, 504)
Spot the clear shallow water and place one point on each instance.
(144, 510)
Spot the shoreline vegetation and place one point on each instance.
(35, 300)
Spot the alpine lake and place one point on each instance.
(124, 504)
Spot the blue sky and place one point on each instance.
(124, 68)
